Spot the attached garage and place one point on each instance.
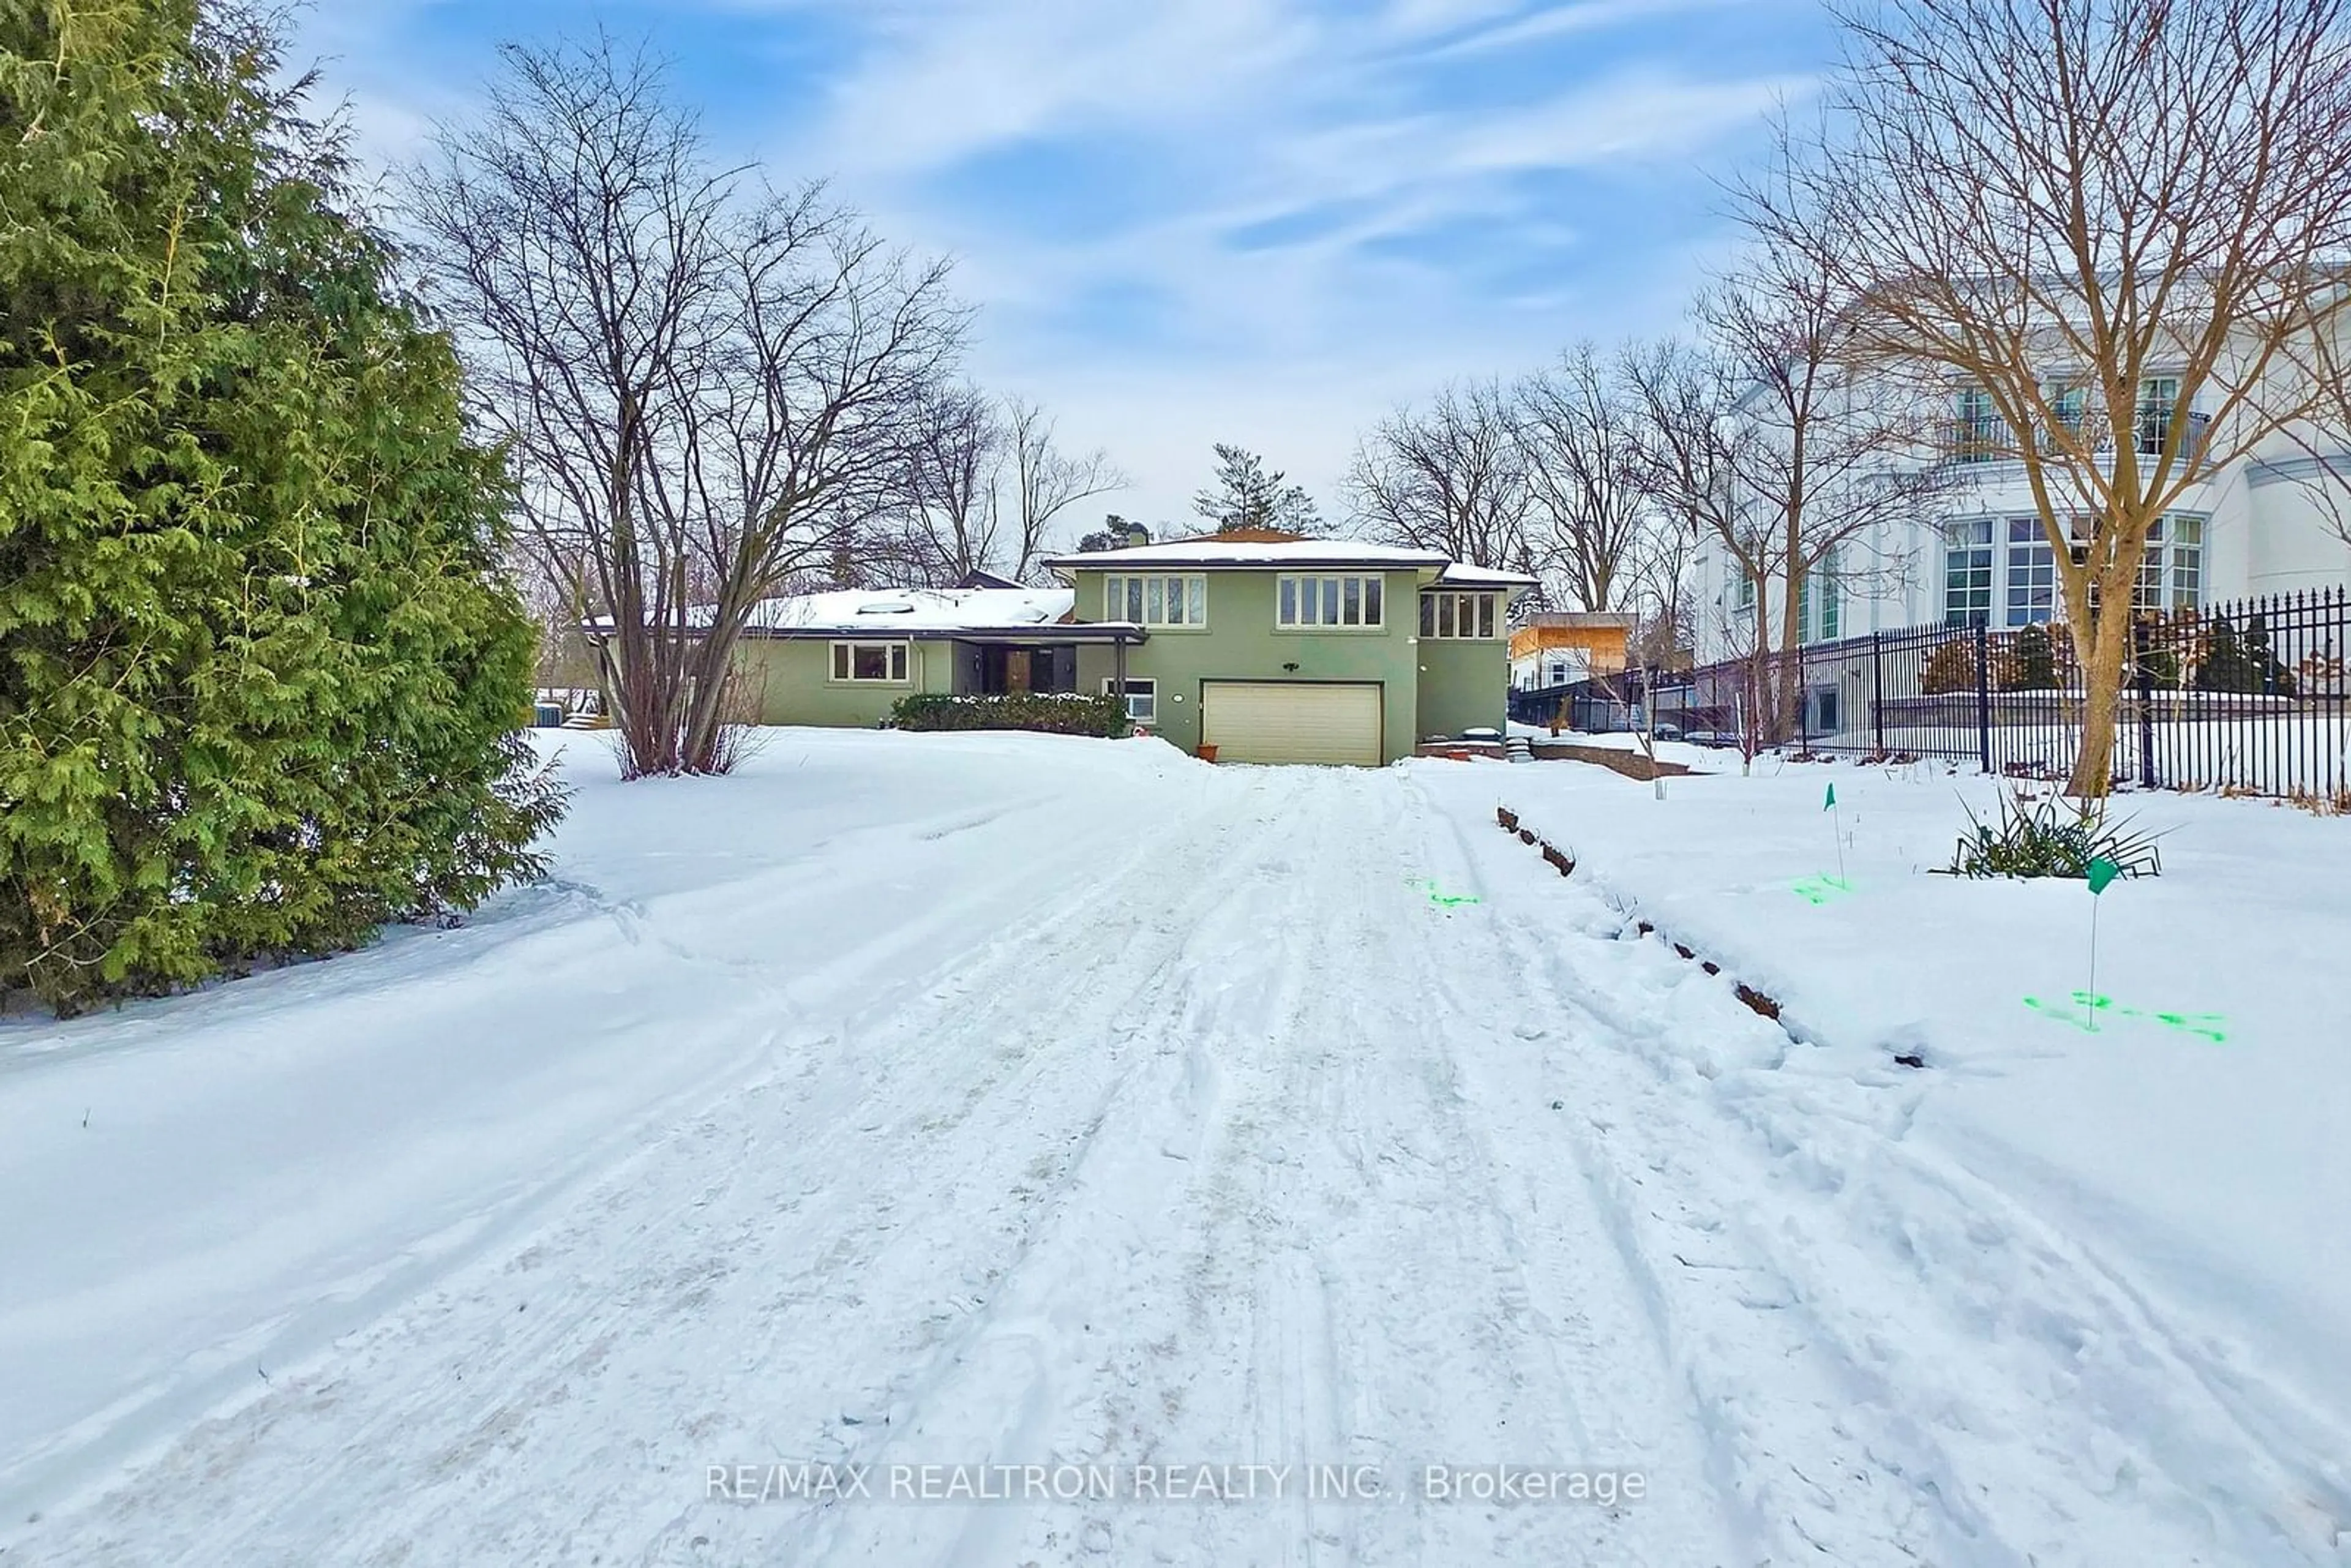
(1292, 721)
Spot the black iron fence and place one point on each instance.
(2252, 696)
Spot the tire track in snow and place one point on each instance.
(404, 1388)
(1349, 1284)
(1944, 1346)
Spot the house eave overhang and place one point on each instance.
(1108, 561)
(1048, 631)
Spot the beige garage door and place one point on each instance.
(1282, 721)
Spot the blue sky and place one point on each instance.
(1185, 221)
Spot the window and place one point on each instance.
(2068, 406)
(1329, 601)
(1156, 601)
(869, 662)
(1452, 616)
(2187, 561)
(1966, 573)
(2031, 573)
(2171, 571)
(2158, 399)
(1818, 611)
(2147, 593)
(1142, 697)
(1978, 432)
(1743, 598)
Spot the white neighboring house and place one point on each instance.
(2249, 527)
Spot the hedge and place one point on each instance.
(1055, 713)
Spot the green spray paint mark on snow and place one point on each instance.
(1441, 899)
(1819, 890)
(2083, 1008)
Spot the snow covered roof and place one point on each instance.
(1216, 553)
(1213, 550)
(859, 610)
(1458, 574)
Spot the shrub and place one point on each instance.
(2050, 837)
(1054, 713)
(1950, 668)
(2244, 663)
(2029, 662)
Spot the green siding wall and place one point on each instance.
(1240, 642)
(793, 680)
(1463, 685)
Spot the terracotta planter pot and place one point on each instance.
(1205, 752)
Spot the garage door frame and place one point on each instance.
(1378, 690)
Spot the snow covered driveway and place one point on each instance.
(987, 1101)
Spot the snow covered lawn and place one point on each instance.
(1009, 1100)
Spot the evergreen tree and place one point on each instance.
(2225, 667)
(260, 684)
(1246, 495)
(2030, 662)
(1116, 533)
(2266, 673)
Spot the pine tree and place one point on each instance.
(2265, 672)
(259, 683)
(1246, 495)
(2225, 667)
(2029, 662)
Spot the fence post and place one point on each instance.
(1983, 695)
(1803, 701)
(2145, 686)
(1877, 690)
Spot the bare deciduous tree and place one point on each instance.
(1045, 481)
(939, 520)
(1783, 457)
(696, 376)
(1580, 429)
(983, 482)
(1451, 478)
(2125, 223)
(1656, 574)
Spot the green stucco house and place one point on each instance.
(1267, 647)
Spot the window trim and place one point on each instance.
(1290, 592)
(1492, 615)
(1117, 598)
(1150, 694)
(841, 663)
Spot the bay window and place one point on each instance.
(2007, 563)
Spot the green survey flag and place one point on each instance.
(1829, 804)
(2101, 872)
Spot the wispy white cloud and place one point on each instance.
(1269, 219)
(1545, 23)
